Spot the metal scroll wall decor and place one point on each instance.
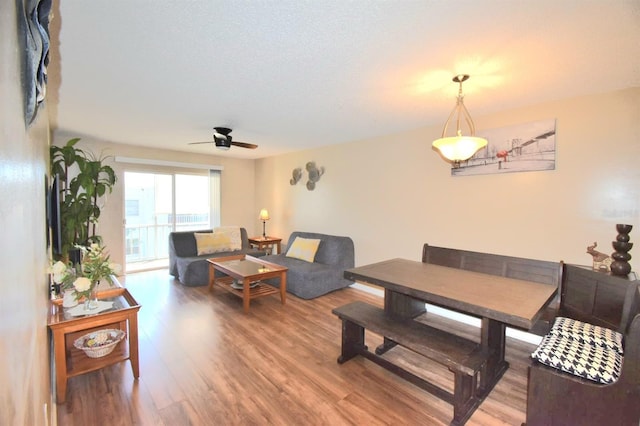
(314, 172)
(34, 34)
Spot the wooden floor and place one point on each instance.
(204, 362)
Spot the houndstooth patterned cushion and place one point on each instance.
(592, 362)
(588, 333)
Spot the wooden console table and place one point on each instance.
(498, 301)
(65, 329)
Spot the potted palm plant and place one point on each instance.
(85, 179)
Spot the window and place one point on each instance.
(159, 203)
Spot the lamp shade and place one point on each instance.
(264, 214)
(459, 147)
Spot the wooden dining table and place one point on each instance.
(498, 301)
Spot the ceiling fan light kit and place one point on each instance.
(459, 147)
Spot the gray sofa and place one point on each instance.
(309, 280)
(191, 269)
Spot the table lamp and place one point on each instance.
(264, 217)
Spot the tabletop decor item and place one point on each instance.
(621, 256)
(84, 279)
(69, 299)
(80, 311)
(62, 274)
(601, 262)
(95, 266)
(99, 343)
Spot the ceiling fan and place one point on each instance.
(223, 139)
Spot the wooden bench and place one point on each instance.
(463, 357)
(596, 297)
(558, 398)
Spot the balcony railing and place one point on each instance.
(151, 242)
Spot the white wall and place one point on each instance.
(25, 394)
(392, 194)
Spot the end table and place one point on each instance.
(65, 329)
(270, 243)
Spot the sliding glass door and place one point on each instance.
(157, 204)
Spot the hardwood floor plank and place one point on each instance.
(204, 362)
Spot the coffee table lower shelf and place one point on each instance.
(262, 289)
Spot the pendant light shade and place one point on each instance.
(459, 147)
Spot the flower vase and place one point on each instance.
(91, 299)
(69, 299)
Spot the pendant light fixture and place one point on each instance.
(459, 147)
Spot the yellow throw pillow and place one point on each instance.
(233, 234)
(303, 249)
(212, 242)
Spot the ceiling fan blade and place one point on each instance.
(244, 145)
(196, 143)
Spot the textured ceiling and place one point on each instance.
(291, 75)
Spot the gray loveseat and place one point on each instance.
(309, 280)
(191, 269)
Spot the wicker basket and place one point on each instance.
(99, 343)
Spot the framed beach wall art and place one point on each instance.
(519, 148)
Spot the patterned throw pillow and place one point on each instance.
(233, 234)
(304, 249)
(596, 363)
(211, 242)
(588, 333)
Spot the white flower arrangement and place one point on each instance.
(62, 274)
(82, 284)
(94, 267)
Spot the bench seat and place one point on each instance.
(450, 350)
(561, 391)
(461, 356)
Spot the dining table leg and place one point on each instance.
(399, 305)
(493, 341)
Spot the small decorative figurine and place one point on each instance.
(601, 262)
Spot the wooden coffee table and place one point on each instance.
(246, 270)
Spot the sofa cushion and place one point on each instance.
(325, 274)
(304, 249)
(233, 234)
(587, 333)
(183, 243)
(596, 363)
(211, 242)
